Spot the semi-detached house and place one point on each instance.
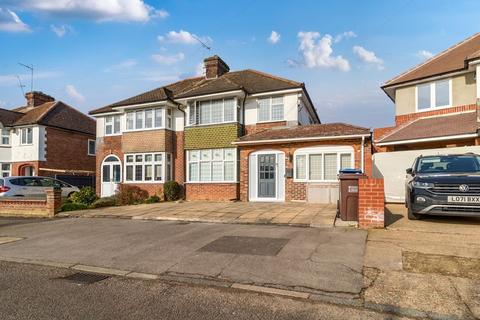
(227, 135)
(47, 138)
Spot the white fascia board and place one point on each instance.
(273, 141)
(456, 137)
(430, 79)
(269, 93)
(226, 93)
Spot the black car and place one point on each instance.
(444, 185)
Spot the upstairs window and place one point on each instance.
(26, 136)
(212, 111)
(434, 95)
(91, 147)
(112, 125)
(5, 137)
(270, 109)
(148, 119)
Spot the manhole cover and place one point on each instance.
(84, 278)
(246, 245)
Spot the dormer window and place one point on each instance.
(436, 94)
(212, 111)
(270, 109)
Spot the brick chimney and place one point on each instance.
(36, 98)
(215, 67)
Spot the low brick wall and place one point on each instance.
(371, 203)
(47, 207)
(212, 191)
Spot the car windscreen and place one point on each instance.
(449, 164)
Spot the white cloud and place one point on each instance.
(199, 69)
(105, 10)
(10, 22)
(12, 80)
(344, 35)
(74, 94)
(317, 52)
(424, 54)
(368, 57)
(127, 64)
(62, 30)
(183, 37)
(168, 59)
(274, 37)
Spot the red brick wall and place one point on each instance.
(211, 191)
(67, 150)
(371, 203)
(18, 166)
(28, 207)
(297, 190)
(252, 128)
(412, 116)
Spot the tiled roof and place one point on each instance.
(55, 114)
(8, 117)
(433, 127)
(450, 60)
(249, 80)
(307, 131)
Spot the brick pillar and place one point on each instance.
(371, 208)
(54, 200)
(244, 153)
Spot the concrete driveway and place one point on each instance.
(289, 213)
(325, 262)
(430, 267)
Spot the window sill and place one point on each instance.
(212, 182)
(433, 108)
(147, 129)
(270, 121)
(113, 135)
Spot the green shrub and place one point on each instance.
(130, 195)
(73, 206)
(153, 199)
(104, 202)
(172, 190)
(86, 196)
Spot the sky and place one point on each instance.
(91, 53)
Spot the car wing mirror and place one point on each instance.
(409, 171)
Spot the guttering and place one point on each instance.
(273, 141)
(455, 137)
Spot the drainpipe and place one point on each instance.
(363, 155)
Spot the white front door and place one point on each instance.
(111, 176)
(266, 176)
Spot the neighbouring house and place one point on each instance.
(437, 110)
(227, 135)
(47, 138)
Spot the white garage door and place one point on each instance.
(391, 167)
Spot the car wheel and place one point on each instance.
(70, 194)
(413, 216)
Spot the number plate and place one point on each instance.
(463, 199)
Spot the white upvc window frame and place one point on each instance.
(110, 122)
(5, 173)
(270, 108)
(94, 147)
(5, 134)
(199, 161)
(433, 102)
(166, 164)
(27, 130)
(340, 150)
(167, 119)
(195, 105)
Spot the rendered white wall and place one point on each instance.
(32, 152)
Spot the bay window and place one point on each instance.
(212, 111)
(148, 167)
(112, 125)
(270, 109)
(322, 163)
(434, 95)
(212, 165)
(148, 119)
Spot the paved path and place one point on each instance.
(430, 268)
(293, 214)
(315, 261)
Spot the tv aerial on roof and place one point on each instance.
(29, 67)
(21, 85)
(202, 43)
